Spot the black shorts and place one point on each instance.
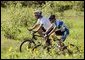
(58, 32)
(43, 29)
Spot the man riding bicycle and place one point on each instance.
(59, 28)
(42, 23)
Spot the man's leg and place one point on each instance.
(52, 36)
(64, 35)
(60, 42)
(40, 31)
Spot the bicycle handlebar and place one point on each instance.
(33, 34)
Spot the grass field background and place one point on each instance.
(16, 20)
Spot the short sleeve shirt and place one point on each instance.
(45, 22)
(59, 25)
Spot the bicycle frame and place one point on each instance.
(34, 36)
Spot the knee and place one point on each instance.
(52, 36)
(68, 32)
(63, 38)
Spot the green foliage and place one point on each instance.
(17, 16)
(14, 18)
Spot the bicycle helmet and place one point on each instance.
(52, 17)
(37, 12)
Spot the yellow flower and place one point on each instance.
(69, 46)
(10, 49)
(67, 55)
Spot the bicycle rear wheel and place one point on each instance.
(25, 45)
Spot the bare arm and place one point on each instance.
(39, 27)
(35, 26)
(52, 31)
(48, 29)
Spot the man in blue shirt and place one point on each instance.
(58, 27)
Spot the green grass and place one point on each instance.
(13, 23)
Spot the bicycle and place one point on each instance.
(64, 49)
(31, 42)
(70, 50)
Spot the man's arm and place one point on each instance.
(35, 26)
(53, 30)
(39, 27)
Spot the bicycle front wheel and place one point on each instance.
(25, 45)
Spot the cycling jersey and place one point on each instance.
(63, 30)
(60, 25)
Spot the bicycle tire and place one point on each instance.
(30, 42)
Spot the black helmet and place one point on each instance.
(52, 17)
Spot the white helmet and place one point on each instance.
(38, 12)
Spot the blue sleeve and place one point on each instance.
(59, 24)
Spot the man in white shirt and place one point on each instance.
(42, 24)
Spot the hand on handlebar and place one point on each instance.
(34, 31)
(46, 35)
(30, 29)
(43, 33)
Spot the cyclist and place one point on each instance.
(59, 28)
(42, 23)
